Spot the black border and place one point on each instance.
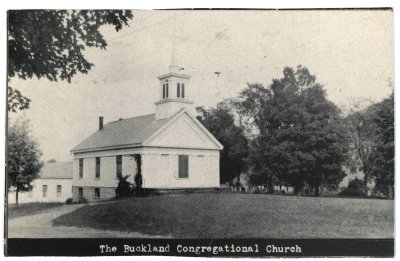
(309, 247)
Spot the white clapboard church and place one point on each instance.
(176, 150)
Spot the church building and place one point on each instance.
(176, 150)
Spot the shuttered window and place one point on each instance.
(183, 166)
(59, 190)
(44, 190)
(96, 192)
(80, 168)
(97, 167)
(183, 90)
(119, 165)
(80, 192)
(178, 90)
(166, 90)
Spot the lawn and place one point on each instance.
(229, 215)
(25, 209)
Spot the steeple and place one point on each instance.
(174, 67)
(173, 88)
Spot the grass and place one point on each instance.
(235, 215)
(24, 209)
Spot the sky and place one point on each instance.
(349, 52)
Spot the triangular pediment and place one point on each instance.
(184, 132)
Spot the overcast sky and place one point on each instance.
(350, 52)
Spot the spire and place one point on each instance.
(174, 67)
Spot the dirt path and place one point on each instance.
(40, 226)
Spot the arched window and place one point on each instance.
(183, 90)
(178, 90)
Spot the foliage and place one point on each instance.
(381, 158)
(82, 200)
(371, 133)
(138, 177)
(50, 44)
(301, 139)
(360, 132)
(220, 121)
(69, 201)
(23, 161)
(125, 188)
(355, 188)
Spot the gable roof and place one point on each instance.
(197, 123)
(132, 131)
(58, 170)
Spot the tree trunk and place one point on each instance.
(16, 197)
(316, 192)
(270, 187)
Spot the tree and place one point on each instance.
(381, 158)
(300, 139)
(23, 161)
(124, 188)
(355, 188)
(220, 121)
(360, 130)
(50, 44)
(138, 176)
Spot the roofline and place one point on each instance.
(122, 146)
(174, 100)
(144, 146)
(173, 74)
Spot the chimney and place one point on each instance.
(101, 122)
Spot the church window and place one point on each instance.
(59, 190)
(178, 90)
(163, 91)
(119, 166)
(80, 168)
(183, 90)
(166, 90)
(44, 190)
(97, 167)
(183, 166)
(96, 192)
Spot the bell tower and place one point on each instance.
(174, 92)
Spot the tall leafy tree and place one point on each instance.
(50, 44)
(381, 159)
(300, 139)
(23, 161)
(360, 132)
(220, 121)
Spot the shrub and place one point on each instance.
(124, 188)
(82, 200)
(356, 188)
(68, 201)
